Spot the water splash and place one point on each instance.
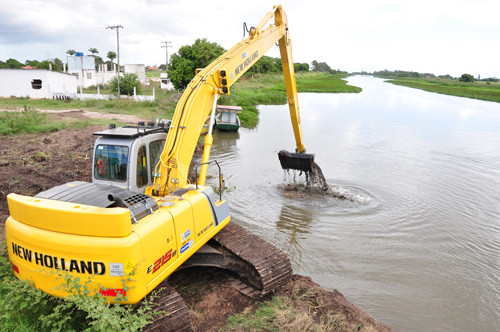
(316, 185)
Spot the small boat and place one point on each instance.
(227, 119)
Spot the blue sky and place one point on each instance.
(439, 36)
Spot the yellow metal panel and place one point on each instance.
(158, 242)
(70, 218)
(44, 257)
(203, 217)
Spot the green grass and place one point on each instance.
(269, 89)
(154, 73)
(248, 92)
(162, 107)
(477, 90)
(30, 121)
(263, 319)
(27, 121)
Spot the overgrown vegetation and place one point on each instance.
(301, 310)
(26, 308)
(183, 64)
(26, 121)
(477, 90)
(269, 89)
(128, 82)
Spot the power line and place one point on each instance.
(117, 27)
(166, 51)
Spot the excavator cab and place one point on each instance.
(126, 156)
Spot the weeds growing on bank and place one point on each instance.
(248, 92)
(27, 121)
(26, 308)
(269, 89)
(30, 121)
(476, 90)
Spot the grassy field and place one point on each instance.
(269, 89)
(477, 90)
(248, 92)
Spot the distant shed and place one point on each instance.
(36, 83)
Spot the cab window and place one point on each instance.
(111, 162)
(155, 149)
(142, 167)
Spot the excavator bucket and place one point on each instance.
(299, 161)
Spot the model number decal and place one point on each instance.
(161, 261)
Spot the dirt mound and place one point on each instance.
(36, 162)
(304, 305)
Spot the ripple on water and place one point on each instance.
(337, 200)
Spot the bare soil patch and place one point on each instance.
(82, 114)
(36, 162)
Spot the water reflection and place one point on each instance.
(226, 141)
(294, 224)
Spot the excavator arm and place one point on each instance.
(200, 98)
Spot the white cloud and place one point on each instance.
(440, 36)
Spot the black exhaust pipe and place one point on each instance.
(299, 161)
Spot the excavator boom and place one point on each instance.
(200, 97)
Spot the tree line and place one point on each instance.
(413, 74)
(56, 64)
(183, 64)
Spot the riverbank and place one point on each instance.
(35, 162)
(248, 92)
(489, 91)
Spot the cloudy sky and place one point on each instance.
(438, 36)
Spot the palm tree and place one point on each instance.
(94, 51)
(111, 56)
(71, 52)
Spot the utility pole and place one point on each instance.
(117, 27)
(166, 50)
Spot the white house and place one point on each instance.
(36, 83)
(138, 69)
(165, 82)
(84, 68)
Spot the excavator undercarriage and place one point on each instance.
(258, 267)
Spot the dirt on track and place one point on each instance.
(36, 162)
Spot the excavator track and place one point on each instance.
(261, 266)
(173, 312)
(271, 266)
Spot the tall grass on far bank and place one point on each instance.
(269, 89)
(489, 91)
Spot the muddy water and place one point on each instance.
(416, 240)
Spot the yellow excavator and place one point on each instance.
(141, 217)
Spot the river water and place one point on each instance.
(416, 243)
